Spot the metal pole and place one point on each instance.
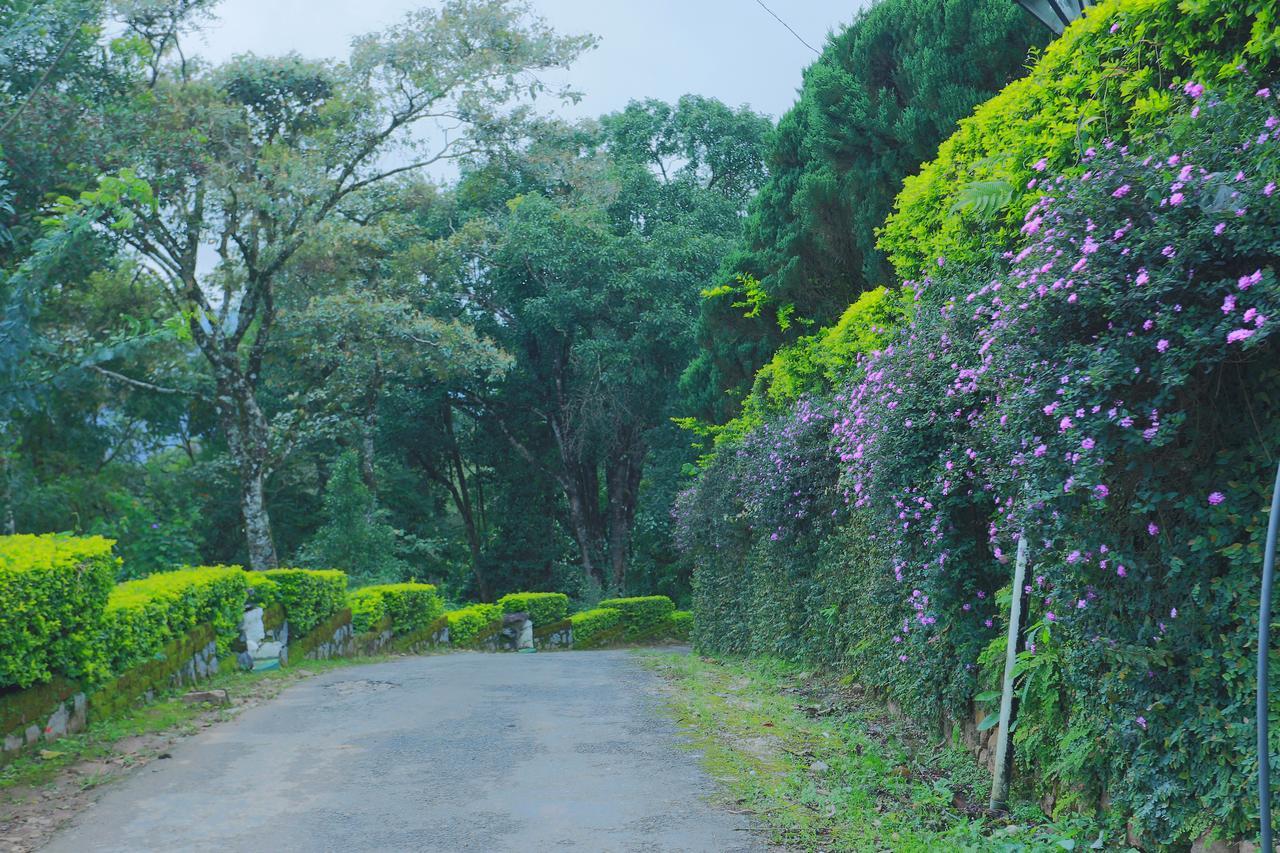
(1264, 648)
(1000, 784)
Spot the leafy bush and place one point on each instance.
(53, 590)
(143, 615)
(590, 625)
(1109, 75)
(308, 596)
(1105, 391)
(642, 615)
(680, 625)
(467, 623)
(543, 607)
(411, 606)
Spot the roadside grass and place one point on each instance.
(822, 767)
(140, 728)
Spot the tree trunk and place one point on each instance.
(246, 430)
(369, 430)
(622, 477)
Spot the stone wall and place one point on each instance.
(557, 635)
(47, 712)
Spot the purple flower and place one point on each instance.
(1195, 90)
(1239, 335)
(1142, 721)
(1216, 498)
(1101, 491)
(1162, 345)
(1050, 617)
(1041, 164)
(1153, 528)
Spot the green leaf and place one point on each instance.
(984, 198)
(989, 696)
(988, 721)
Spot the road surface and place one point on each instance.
(468, 751)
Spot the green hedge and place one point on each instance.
(143, 615)
(53, 590)
(590, 625)
(643, 615)
(307, 596)
(680, 625)
(543, 607)
(411, 606)
(468, 623)
(1109, 76)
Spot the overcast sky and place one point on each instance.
(729, 49)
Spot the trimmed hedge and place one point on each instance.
(141, 616)
(411, 606)
(642, 615)
(468, 623)
(543, 607)
(53, 590)
(592, 626)
(680, 625)
(307, 596)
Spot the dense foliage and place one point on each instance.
(885, 91)
(1105, 389)
(53, 590)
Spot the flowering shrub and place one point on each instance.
(1113, 391)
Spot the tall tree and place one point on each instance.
(592, 276)
(235, 168)
(878, 101)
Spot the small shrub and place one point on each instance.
(467, 623)
(143, 615)
(589, 625)
(411, 606)
(307, 596)
(642, 615)
(53, 590)
(543, 607)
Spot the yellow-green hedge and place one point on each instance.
(53, 590)
(590, 626)
(467, 623)
(411, 606)
(307, 596)
(1116, 73)
(143, 615)
(543, 607)
(644, 615)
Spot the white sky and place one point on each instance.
(729, 49)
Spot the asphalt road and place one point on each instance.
(492, 752)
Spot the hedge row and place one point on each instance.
(1094, 320)
(590, 625)
(468, 623)
(642, 616)
(308, 597)
(410, 606)
(53, 590)
(543, 607)
(143, 615)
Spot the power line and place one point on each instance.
(788, 26)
